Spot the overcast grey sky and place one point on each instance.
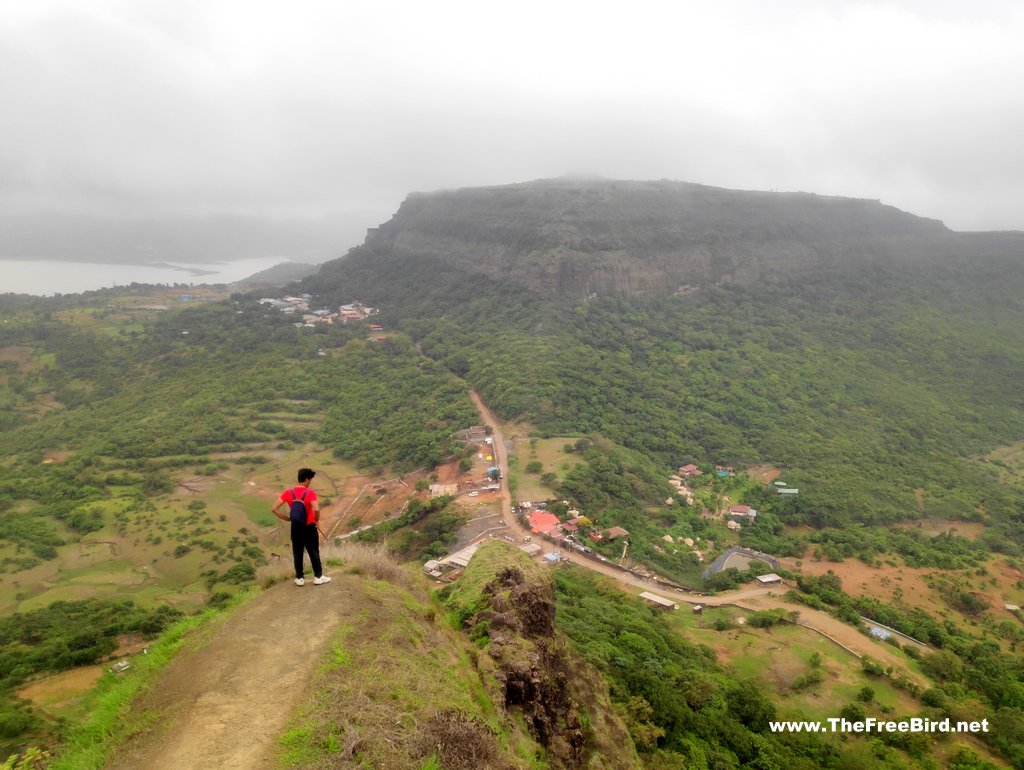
(190, 106)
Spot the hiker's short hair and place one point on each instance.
(305, 474)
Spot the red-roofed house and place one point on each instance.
(542, 521)
(743, 510)
(689, 471)
(572, 525)
(615, 532)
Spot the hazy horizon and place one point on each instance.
(136, 108)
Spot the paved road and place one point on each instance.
(757, 598)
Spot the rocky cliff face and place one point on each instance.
(507, 603)
(579, 238)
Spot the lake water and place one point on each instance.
(47, 277)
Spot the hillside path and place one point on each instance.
(226, 697)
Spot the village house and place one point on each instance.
(690, 471)
(355, 311)
(543, 522)
(659, 601)
(475, 434)
(741, 512)
(461, 558)
(278, 304)
(615, 533)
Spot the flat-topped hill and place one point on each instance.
(582, 237)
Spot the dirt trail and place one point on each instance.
(224, 702)
(500, 456)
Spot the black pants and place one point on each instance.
(305, 537)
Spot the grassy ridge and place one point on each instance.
(109, 408)
(88, 744)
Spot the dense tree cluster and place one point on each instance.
(61, 636)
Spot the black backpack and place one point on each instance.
(297, 510)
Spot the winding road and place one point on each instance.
(757, 598)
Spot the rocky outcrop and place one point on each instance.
(581, 238)
(507, 603)
(533, 678)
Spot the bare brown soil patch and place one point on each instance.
(887, 584)
(129, 644)
(725, 652)
(365, 500)
(57, 457)
(60, 690)
(971, 530)
(19, 354)
(448, 473)
(766, 474)
(194, 486)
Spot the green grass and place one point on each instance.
(90, 744)
(432, 764)
(118, 561)
(388, 672)
(757, 652)
(547, 451)
(298, 746)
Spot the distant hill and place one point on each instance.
(577, 238)
(277, 275)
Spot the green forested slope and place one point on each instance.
(867, 386)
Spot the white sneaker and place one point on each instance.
(300, 581)
(321, 580)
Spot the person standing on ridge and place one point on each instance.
(304, 515)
